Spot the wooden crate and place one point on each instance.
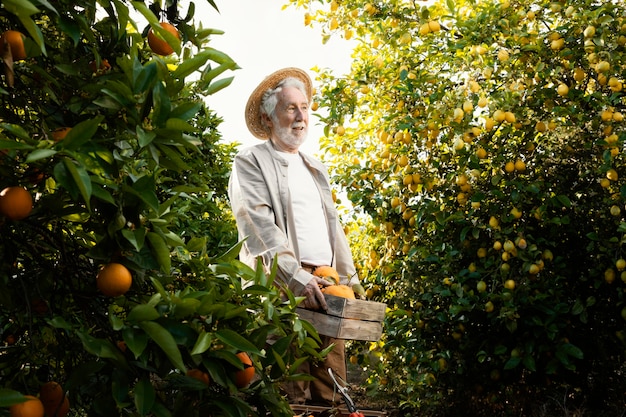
(347, 318)
(308, 410)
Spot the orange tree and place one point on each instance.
(484, 141)
(125, 168)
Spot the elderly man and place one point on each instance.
(282, 202)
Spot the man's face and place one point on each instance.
(290, 123)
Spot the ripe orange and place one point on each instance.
(15, 40)
(158, 45)
(244, 376)
(114, 280)
(199, 375)
(104, 66)
(32, 407)
(60, 133)
(327, 272)
(339, 291)
(16, 203)
(51, 394)
(62, 411)
(54, 401)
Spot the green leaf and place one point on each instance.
(572, 350)
(166, 342)
(187, 110)
(196, 244)
(161, 105)
(232, 253)
(59, 322)
(11, 144)
(81, 133)
(145, 78)
(512, 363)
(173, 160)
(144, 396)
(218, 85)
(136, 340)
(185, 307)
(102, 348)
(8, 397)
(203, 343)
(116, 322)
(38, 154)
(160, 250)
(564, 200)
(235, 340)
(144, 188)
(194, 64)
(17, 130)
(81, 179)
(178, 124)
(135, 237)
(142, 312)
(20, 8)
(70, 28)
(144, 138)
(529, 363)
(158, 409)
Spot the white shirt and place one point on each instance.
(310, 221)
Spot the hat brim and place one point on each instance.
(253, 107)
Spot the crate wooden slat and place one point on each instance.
(342, 328)
(306, 410)
(355, 309)
(348, 318)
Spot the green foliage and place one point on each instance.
(140, 179)
(475, 165)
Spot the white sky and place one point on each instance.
(262, 38)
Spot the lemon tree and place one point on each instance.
(482, 146)
(125, 167)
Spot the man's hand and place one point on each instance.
(314, 297)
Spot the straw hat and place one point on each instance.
(253, 107)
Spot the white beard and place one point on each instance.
(287, 136)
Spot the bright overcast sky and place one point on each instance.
(261, 38)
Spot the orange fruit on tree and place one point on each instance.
(244, 376)
(62, 410)
(51, 395)
(16, 203)
(32, 407)
(60, 133)
(104, 66)
(158, 45)
(198, 374)
(114, 279)
(121, 345)
(343, 291)
(327, 272)
(14, 40)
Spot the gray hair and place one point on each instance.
(270, 97)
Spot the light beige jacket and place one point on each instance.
(260, 200)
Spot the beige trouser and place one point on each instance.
(321, 390)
